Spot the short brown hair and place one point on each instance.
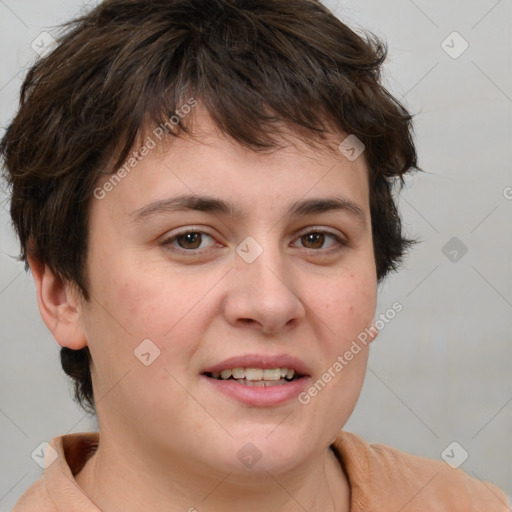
(129, 64)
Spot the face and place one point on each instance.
(274, 269)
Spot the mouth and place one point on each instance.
(259, 380)
(257, 377)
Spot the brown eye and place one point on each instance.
(190, 240)
(313, 240)
(319, 241)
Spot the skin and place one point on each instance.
(169, 441)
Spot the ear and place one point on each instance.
(59, 306)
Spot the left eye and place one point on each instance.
(316, 239)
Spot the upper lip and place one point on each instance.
(261, 361)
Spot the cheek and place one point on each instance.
(135, 307)
(165, 308)
(346, 305)
(170, 307)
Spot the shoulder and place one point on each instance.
(380, 475)
(57, 490)
(35, 499)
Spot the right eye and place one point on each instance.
(186, 241)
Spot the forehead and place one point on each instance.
(211, 164)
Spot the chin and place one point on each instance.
(267, 449)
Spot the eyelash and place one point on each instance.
(196, 252)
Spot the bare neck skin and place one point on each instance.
(117, 481)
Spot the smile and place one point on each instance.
(257, 377)
(258, 380)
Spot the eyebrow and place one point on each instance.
(219, 206)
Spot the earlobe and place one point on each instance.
(59, 306)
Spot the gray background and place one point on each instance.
(440, 371)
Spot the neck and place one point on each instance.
(116, 481)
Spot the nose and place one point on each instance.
(263, 294)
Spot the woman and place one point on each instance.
(202, 190)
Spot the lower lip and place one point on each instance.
(266, 396)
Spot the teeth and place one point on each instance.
(225, 374)
(238, 373)
(272, 374)
(261, 383)
(250, 375)
(253, 373)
